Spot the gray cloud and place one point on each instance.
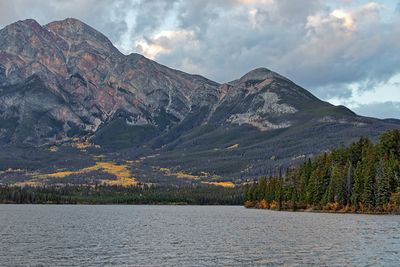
(379, 110)
(328, 54)
(151, 14)
(109, 19)
(297, 11)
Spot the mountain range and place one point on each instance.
(70, 100)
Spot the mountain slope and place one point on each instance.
(96, 81)
(262, 123)
(65, 83)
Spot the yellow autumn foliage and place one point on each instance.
(121, 172)
(202, 176)
(53, 149)
(332, 206)
(185, 175)
(180, 174)
(274, 205)
(263, 204)
(223, 184)
(83, 145)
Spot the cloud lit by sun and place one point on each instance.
(162, 42)
(346, 17)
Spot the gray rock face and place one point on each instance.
(92, 80)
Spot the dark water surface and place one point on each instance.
(192, 236)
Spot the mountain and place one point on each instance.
(85, 82)
(68, 96)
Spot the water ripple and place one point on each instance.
(192, 236)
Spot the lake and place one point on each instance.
(81, 235)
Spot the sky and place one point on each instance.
(346, 52)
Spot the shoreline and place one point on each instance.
(311, 210)
(123, 204)
(332, 212)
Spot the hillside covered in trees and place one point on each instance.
(363, 177)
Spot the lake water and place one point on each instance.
(192, 236)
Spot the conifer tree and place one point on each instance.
(369, 174)
(384, 174)
(349, 182)
(316, 186)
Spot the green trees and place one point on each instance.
(368, 173)
(337, 186)
(383, 182)
(390, 143)
(140, 194)
(316, 186)
(349, 183)
(358, 186)
(362, 176)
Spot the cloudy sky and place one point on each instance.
(345, 51)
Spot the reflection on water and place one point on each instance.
(192, 236)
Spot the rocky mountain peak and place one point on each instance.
(70, 23)
(78, 33)
(75, 29)
(29, 24)
(259, 74)
(21, 31)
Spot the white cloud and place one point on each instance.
(345, 17)
(165, 41)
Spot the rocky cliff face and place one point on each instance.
(91, 79)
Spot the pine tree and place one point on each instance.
(247, 193)
(339, 178)
(305, 174)
(329, 196)
(390, 143)
(262, 187)
(358, 185)
(369, 175)
(349, 182)
(394, 166)
(316, 186)
(384, 174)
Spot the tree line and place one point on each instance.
(363, 177)
(138, 194)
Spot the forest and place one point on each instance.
(363, 177)
(138, 194)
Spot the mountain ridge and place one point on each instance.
(65, 81)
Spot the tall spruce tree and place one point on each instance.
(384, 174)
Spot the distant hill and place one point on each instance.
(69, 98)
